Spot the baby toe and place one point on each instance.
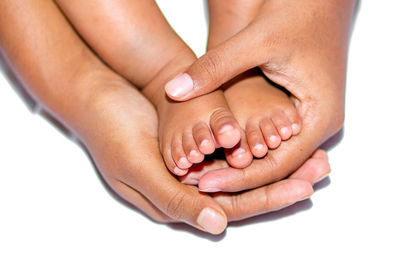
(282, 124)
(240, 155)
(271, 135)
(225, 128)
(178, 154)
(192, 152)
(170, 163)
(203, 138)
(256, 140)
(295, 120)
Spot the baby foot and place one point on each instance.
(266, 112)
(189, 130)
(192, 129)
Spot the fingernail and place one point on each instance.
(210, 190)
(322, 177)
(179, 86)
(211, 221)
(306, 197)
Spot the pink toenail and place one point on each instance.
(258, 147)
(183, 160)
(295, 128)
(205, 142)
(194, 153)
(284, 130)
(225, 129)
(273, 138)
(238, 152)
(178, 171)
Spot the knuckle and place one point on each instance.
(209, 64)
(236, 210)
(174, 208)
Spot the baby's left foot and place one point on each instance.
(266, 113)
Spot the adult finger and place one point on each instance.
(219, 65)
(278, 164)
(180, 202)
(139, 201)
(277, 195)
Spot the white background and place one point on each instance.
(54, 211)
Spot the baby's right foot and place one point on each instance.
(191, 129)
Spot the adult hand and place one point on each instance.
(300, 45)
(118, 125)
(122, 139)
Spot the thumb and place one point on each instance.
(216, 67)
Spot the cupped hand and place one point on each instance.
(300, 45)
(119, 129)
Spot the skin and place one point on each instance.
(137, 31)
(118, 125)
(266, 113)
(300, 45)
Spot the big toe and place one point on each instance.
(225, 128)
(239, 156)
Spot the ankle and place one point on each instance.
(154, 90)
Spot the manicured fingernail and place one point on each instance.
(179, 86)
(322, 177)
(211, 221)
(210, 190)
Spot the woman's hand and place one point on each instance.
(300, 45)
(119, 129)
(118, 125)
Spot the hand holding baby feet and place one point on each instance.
(190, 130)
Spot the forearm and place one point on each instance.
(48, 57)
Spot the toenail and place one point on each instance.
(205, 142)
(194, 153)
(183, 160)
(258, 147)
(178, 171)
(238, 152)
(225, 129)
(284, 130)
(273, 138)
(295, 128)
